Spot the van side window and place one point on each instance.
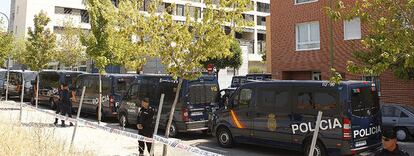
(316, 101)
(325, 101)
(269, 100)
(245, 98)
(305, 101)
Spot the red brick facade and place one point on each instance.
(287, 63)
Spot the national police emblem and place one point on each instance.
(271, 122)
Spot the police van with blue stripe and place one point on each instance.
(282, 114)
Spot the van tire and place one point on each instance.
(123, 120)
(173, 130)
(319, 148)
(402, 134)
(224, 137)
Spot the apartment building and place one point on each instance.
(300, 47)
(252, 39)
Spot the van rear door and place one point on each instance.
(365, 117)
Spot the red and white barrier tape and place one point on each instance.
(175, 143)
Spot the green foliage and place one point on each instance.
(41, 44)
(255, 70)
(131, 45)
(389, 42)
(234, 60)
(102, 18)
(6, 46)
(183, 46)
(70, 50)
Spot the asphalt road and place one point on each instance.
(209, 142)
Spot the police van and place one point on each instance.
(114, 87)
(50, 82)
(282, 114)
(193, 107)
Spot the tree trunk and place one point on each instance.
(100, 99)
(167, 129)
(37, 89)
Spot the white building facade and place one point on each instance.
(252, 39)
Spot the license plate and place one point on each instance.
(360, 143)
(196, 113)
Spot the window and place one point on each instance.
(352, 29)
(271, 100)
(403, 115)
(311, 102)
(84, 16)
(245, 97)
(390, 111)
(317, 76)
(304, 1)
(67, 10)
(180, 10)
(307, 36)
(263, 7)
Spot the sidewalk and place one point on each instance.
(89, 138)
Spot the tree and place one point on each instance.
(389, 42)
(6, 46)
(234, 60)
(101, 14)
(130, 43)
(40, 46)
(183, 46)
(70, 51)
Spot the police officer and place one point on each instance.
(58, 104)
(145, 124)
(389, 141)
(65, 104)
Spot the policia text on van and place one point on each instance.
(283, 113)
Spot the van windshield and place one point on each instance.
(409, 108)
(202, 93)
(364, 102)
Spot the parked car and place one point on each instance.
(114, 87)
(50, 85)
(400, 118)
(192, 110)
(282, 114)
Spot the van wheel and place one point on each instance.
(319, 149)
(173, 130)
(123, 121)
(402, 134)
(224, 138)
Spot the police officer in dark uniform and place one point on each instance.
(389, 141)
(65, 104)
(145, 124)
(58, 104)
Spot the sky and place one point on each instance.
(4, 8)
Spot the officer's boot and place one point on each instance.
(56, 121)
(63, 123)
(70, 124)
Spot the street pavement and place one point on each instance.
(110, 144)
